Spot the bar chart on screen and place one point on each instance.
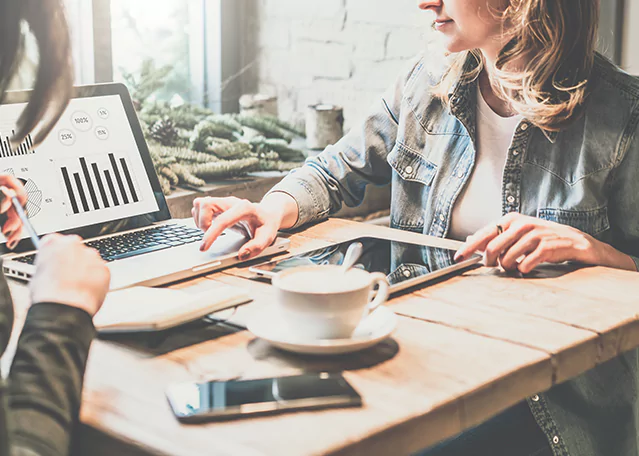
(98, 182)
(25, 148)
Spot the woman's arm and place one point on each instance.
(341, 173)
(45, 383)
(42, 401)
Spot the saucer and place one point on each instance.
(373, 329)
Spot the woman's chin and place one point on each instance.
(454, 45)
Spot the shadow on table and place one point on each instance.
(159, 343)
(546, 271)
(374, 356)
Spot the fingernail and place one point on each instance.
(245, 254)
(8, 234)
(11, 245)
(202, 247)
(458, 257)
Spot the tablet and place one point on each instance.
(404, 264)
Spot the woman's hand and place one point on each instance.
(519, 242)
(214, 215)
(12, 228)
(70, 273)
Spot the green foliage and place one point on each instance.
(189, 144)
(226, 168)
(280, 146)
(267, 127)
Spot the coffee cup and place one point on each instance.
(324, 302)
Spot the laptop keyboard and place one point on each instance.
(136, 243)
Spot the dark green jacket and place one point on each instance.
(40, 401)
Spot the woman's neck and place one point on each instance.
(500, 106)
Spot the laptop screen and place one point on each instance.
(89, 171)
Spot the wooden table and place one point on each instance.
(465, 349)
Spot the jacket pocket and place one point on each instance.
(412, 178)
(592, 222)
(410, 165)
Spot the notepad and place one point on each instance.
(142, 309)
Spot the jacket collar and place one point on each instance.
(463, 101)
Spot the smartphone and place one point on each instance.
(217, 400)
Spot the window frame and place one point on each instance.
(214, 67)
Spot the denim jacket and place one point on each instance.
(584, 176)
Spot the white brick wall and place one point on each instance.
(344, 52)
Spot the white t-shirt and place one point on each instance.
(480, 202)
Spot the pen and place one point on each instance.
(35, 239)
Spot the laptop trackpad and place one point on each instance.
(172, 261)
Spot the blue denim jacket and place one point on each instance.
(584, 176)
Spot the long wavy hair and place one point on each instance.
(54, 79)
(544, 69)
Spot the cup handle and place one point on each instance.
(382, 293)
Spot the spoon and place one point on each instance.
(352, 255)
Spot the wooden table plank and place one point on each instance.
(616, 321)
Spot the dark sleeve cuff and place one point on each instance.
(70, 321)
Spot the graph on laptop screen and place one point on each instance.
(87, 171)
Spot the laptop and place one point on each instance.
(93, 176)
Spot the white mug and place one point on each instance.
(322, 302)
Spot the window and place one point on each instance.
(165, 32)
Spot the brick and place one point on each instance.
(304, 9)
(324, 60)
(397, 12)
(369, 76)
(405, 43)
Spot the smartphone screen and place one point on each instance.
(210, 400)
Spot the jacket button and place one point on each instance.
(407, 273)
(460, 174)
(524, 126)
(510, 199)
(535, 398)
(408, 170)
(442, 217)
(515, 152)
(555, 440)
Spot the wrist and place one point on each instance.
(70, 298)
(282, 207)
(603, 254)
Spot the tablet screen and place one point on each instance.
(399, 261)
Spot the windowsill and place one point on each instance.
(254, 186)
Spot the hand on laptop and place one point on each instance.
(68, 272)
(214, 215)
(12, 228)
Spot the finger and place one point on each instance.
(552, 251)
(502, 243)
(238, 212)
(9, 181)
(526, 245)
(207, 208)
(13, 221)
(477, 242)
(264, 237)
(194, 215)
(12, 229)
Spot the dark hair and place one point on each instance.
(54, 81)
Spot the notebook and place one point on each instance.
(142, 309)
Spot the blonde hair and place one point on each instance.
(544, 68)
